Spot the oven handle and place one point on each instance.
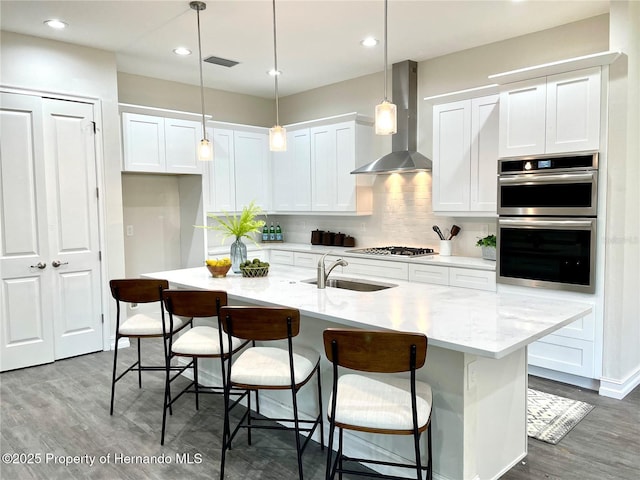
(530, 179)
(546, 223)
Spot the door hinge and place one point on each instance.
(97, 192)
(100, 255)
(102, 317)
(95, 129)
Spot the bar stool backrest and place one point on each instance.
(374, 351)
(260, 323)
(138, 290)
(194, 303)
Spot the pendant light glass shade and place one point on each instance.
(278, 139)
(386, 117)
(205, 152)
(277, 134)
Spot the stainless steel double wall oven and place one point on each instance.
(547, 209)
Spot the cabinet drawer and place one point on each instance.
(397, 270)
(309, 260)
(429, 274)
(583, 328)
(282, 257)
(468, 278)
(563, 354)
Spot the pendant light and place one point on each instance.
(277, 134)
(204, 149)
(386, 115)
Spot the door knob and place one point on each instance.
(39, 265)
(57, 263)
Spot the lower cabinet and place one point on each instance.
(377, 268)
(453, 276)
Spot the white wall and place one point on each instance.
(621, 367)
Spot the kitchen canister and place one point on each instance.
(338, 239)
(445, 248)
(316, 237)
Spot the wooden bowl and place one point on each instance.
(218, 272)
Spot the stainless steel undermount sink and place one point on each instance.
(354, 284)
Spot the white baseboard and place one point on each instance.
(619, 389)
(123, 343)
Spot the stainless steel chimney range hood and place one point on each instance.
(403, 158)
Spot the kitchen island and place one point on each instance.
(476, 359)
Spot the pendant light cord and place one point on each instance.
(385, 50)
(204, 131)
(275, 62)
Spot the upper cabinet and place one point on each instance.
(239, 172)
(160, 145)
(465, 157)
(314, 174)
(291, 173)
(554, 114)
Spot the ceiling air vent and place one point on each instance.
(221, 61)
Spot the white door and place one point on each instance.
(26, 334)
(50, 263)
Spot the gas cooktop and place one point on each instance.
(405, 251)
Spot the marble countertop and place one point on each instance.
(483, 323)
(477, 263)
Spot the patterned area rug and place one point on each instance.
(550, 417)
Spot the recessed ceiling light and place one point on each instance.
(55, 23)
(182, 51)
(369, 42)
(273, 72)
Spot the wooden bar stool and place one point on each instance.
(198, 342)
(382, 404)
(269, 368)
(141, 325)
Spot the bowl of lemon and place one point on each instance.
(218, 267)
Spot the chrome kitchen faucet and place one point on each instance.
(322, 276)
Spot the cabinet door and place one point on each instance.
(181, 140)
(451, 156)
(522, 118)
(378, 268)
(252, 169)
(429, 274)
(291, 174)
(573, 111)
(323, 168)
(484, 154)
(469, 278)
(345, 151)
(222, 190)
(143, 143)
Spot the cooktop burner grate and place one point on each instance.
(405, 251)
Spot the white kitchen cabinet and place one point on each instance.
(160, 145)
(291, 174)
(281, 257)
(465, 151)
(470, 278)
(555, 114)
(376, 268)
(337, 148)
(239, 172)
(429, 274)
(309, 260)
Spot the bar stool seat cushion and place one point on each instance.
(203, 340)
(269, 366)
(143, 324)
(372, 403)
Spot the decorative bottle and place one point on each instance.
(278, 233)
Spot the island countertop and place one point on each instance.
(483, 323)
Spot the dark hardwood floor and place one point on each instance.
(62, 410)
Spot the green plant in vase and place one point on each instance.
(238, 226)
(488, 245)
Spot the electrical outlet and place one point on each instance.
(472, 375)
(129, 230)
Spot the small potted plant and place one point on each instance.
(238, 226)
(488, 245)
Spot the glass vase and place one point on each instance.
(238, 254)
